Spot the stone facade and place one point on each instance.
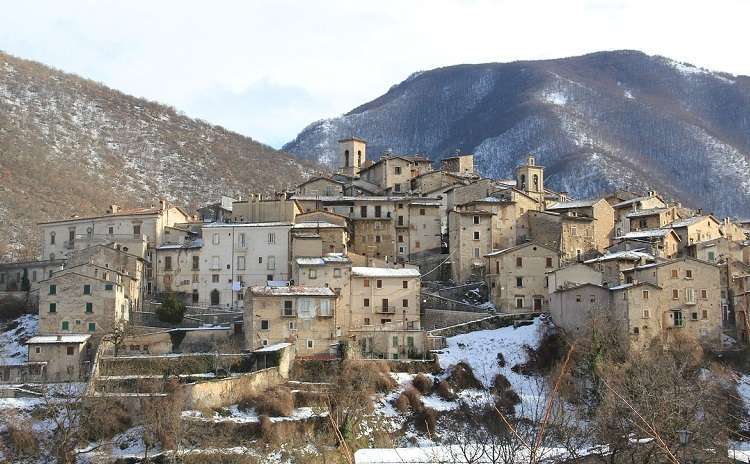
(67, 357)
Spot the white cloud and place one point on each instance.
(267, 69)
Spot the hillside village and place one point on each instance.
(390, 261)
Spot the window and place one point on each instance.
(136, 229)
(366, 283)
(70, 351)
(401, 220)
(675, 294)
(592, 299)
(367, 321)
(405, 284)
(519, 282)
(288, 310)
(313, 273)
(694, 315)
(378, 211)
(167, 263)
(195, 296)
(363, 211)
(337, 272)
(677, 318)
(646, 314)
(215, 264)
(573, 231)
(711, 256)
(397, 170)
(422, 211)
(476, 219)
(704, 314)
(704, 294)
(405, 303)
(397, 187)
(271, 237)
(260, 260)
(215, 238)
(33, 276)
(690, 295)
(52, 238)
(310, 344)
(38, 349)
(89, 307)
(53, 289)
(366, 303)
(379, 283)
(53, 307)
(476, 235)
(92, 326)
(65, 325)
(578, 298)
(215, 278)
(196, 263)
(645, 294)
(108, 287)
(519, 302)
(241, 239)
(111, 230)
(675, 274)
(417, 244)
(688, 273)
(264, 324)
(519, 261)
(548, 263)
(476, 252)
(241, 263)
(87, 289)
(377, 239)
(394, 341)
(271, 263)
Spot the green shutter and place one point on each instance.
(92, 326)
(52, 289)
(65, 325)
(87, 289)
(89, 307)
(108, 287)
(53, 307)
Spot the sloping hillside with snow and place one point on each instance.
(607, 120)
(13, 335)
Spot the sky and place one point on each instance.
(267, 69)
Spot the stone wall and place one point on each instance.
(440, 318)
(223, 392)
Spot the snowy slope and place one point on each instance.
(12, 338)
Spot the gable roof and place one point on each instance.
(626, 203)
(687, 222)
(313, 179)
(648, 212)
(574, 204)
(625, 255)
(518, 247)
(649, 234)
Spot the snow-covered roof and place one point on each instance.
(647, 233)
(629, 202)
(621, 287)
(292, 291)
(573, 204)
(274, 347)
(647, 212)
(321, 261)
(216, 225)
(358, 271)
(316, 225)
(688, 221)
(197, 243)
(516, 247)
(51, 339)
(628, 255)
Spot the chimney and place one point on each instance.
(162, 204)
(651, 193)
(113, 209)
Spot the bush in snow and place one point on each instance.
(401, 403)
(462, 377)
(425, 420)
(423, 384)
(445, 391)
(500, 383)
(274, 402)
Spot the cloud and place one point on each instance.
(267, 69)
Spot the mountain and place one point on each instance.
(70, 145)
(607, 120)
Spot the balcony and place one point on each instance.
(386, 309)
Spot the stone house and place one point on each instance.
(574, 307)
(393, 173)
(66, 358)
(74, 301)
(612, 264)
(468, 232)
(597, 209)
(418, 228)
(178, 269)
(623, 208)
(239, 255)
(460, 164)
(256, 209)
(685, 299)
(573, 236)
(738, 297)
(663, 243)
(696, 229)
(324, 186)
(220, 211)
(516, 277)
(322, 216)
(732, 230)
(652, 218)
(572, 275)
(332, 271)
(11, 274)
(304, 316)
(333, 237)
(431, 181)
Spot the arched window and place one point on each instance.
(359, 158)
(536, 182)
(523, 181)
(52, 238)
(346, 158)
(215, 296)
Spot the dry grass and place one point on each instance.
(506, 401)
(274, 402)
(304, 398)
(401, 403)
(500, 383)
(445, 391)
(423, 384)
(425, 420)
(462, 377)
(22, 437)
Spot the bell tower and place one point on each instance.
(530, 179)
(352, 156)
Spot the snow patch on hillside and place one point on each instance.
(14, 335)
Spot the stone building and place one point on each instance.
(696, 229)
(324, 186)
(572, 236)
(333, 237)
(11, 274)
(258, 209)
(652, 218)
(393, 173)
(662, 243)
(462, 165)
(575, 307)
(66, 358)
(572, 275)
(177, 268)
(516, 277)
(612, 264)
(624, 208)
(599, 210)
(304, 316)
(331, 271)
(239, 255)
(352, 156)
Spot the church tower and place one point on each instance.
(352, 156)
(530, 179)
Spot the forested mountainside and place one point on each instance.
(620, 119)
(70, 145)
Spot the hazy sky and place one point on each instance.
(269, 68)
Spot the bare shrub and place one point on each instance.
(423, 384)
(304, 398)
(445, 391)
(267, 431)
(103, 419)
(274, 402)
(425, 420)
(401, 403)
(415, 399)
(506, 401)
(462, 377)
(500, 383)
(22, 437)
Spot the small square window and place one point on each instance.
(53, 289)
(92, 326)
(366, 303)
(405, 284)
(688, 273)
(379, 283)
(69, 350)
(704, 294)
(476, 235)
(108, 287)
(53, 307)
(405, 303)
(310, 344)
(704, 314)
(65, 325)
(264, 324)
(366, 283)
(675, 294)
(89, 307)
(37, 349)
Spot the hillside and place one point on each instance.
(70, 145)
(606, 120)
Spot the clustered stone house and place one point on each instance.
(336, 262)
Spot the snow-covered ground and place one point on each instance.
(480, 351)
(235, 414)
(12, 348)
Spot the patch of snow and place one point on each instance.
(555, 97)
(12, 347)
(628, 94)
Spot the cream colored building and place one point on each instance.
(304, 316)
(393, 173)
(696, 229)
(684, 298)
(74, 301)
(460, 164)
(624, 208)
(178, 270)
(334, 238)
(530, 179)
(352, 156)
(418, 228)
(653, 218)
(67, 357)
(239, 255)
(257, 209)
(516, 277)
(732, 230)
(324, 186)
(599, 210)
(663, 243)
(573, 236)
(331, 271)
